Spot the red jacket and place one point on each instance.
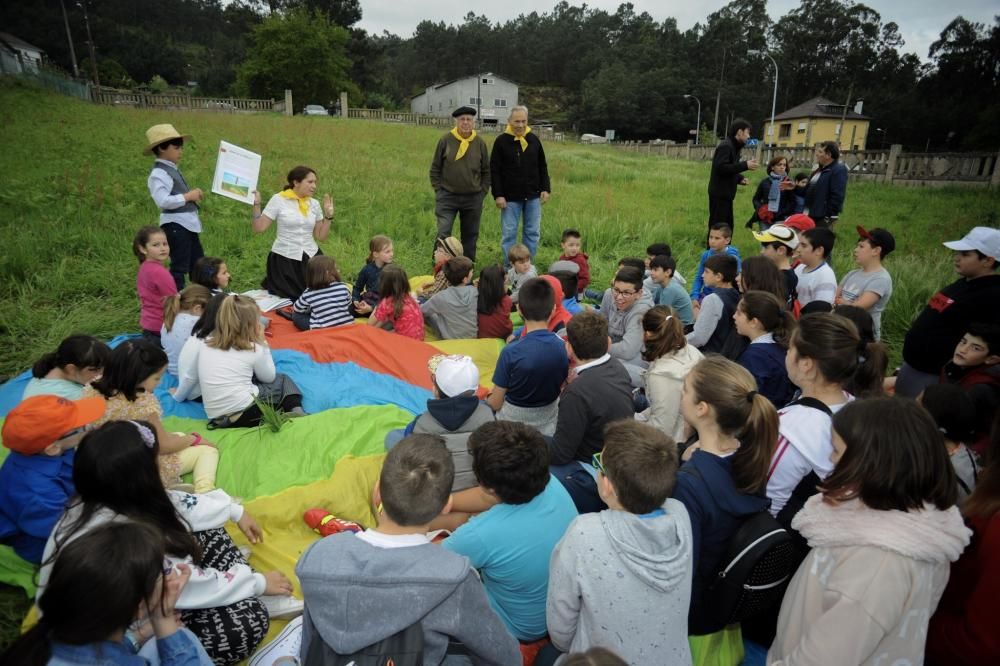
(965, 629)
(583, 277)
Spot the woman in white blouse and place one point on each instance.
(301, 222)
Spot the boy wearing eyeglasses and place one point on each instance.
(623, 306)
(177, 202)
(36, 479)
(621, 579)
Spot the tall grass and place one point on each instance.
(73, 190)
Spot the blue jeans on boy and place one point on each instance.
(185, 250)
(510, 218)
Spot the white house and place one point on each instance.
(18, 50)
(492, 95)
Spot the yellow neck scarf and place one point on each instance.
(463, 144)
(303, 201)
(520, 139)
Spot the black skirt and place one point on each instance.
(286, 277)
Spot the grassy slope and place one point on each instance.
(73, 190)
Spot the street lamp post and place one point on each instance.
(879, 129)
(774, 99)
(697, 127)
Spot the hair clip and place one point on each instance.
(750, 395)
(148, 438)
(862, 359)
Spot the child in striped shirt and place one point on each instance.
(326, 300)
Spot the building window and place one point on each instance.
(487, 82)
(802, 128)
(476, 100)
(785, 130)
(499, 102)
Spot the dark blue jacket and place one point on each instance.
(825, 197)
(34, 491)
(766, 362)
(367, 281)
(717, 509)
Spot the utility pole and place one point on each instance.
(90, 43)
(718, 96)
(697, 126)
(69, 38)
(774, 99)
(843, 116)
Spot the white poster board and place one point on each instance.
(236, 173)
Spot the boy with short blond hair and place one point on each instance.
(521, 269)
(452, 313)
(572, 250)
(621, 579)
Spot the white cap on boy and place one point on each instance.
(983, 239)
(454, 374)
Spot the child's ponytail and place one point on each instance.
(873, 359)
(187, 299)
(842, 356)
(772, 314)
(83, 351)
(377, 244)
(757, 443)
(171, 306)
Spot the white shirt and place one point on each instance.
(818, 284)
(160, 186)
(383, 540)
(295, 231)
(226, 377)
(188, 387)
(174, 339)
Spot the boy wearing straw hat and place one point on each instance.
(176, 201)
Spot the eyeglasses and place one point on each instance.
(599, 463)
(623, 294)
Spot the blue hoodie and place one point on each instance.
(717, 509)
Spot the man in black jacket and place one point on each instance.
(726, 173)
(827, 186)
(520, 182)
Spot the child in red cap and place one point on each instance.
(36, 479)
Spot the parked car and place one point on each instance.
(314, 110)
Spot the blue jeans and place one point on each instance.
(510, 218)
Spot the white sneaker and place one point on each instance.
(280, 606)
(245, 552)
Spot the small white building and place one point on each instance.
(20, 52)
(492, 95)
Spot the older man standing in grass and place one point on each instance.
(460, 176)
(520, 182)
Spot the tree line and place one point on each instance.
(580, 67)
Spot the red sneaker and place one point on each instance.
(325, 523)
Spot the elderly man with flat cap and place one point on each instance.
(460, 176)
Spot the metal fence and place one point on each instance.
(543, 132)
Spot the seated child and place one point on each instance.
(567, 272)
(955, 416)
(180, 312)
(452, 313)
(188, 387)
(816, 279)
(36, 479)
(667, 290)
(778, 244)
(623, 306)
(521, 269)
(719, 238)
(444, 249)
(572, 250)
(79, 360)
(365, 295)
(530, 372)
(494, 305)
(870, 286)
(622, 579)
(402, 577)
(132, 374)
(453, 413)
(397, 311)
(511, 543)
(236, 371)
(763, 319)
(211, 273)
(326, 301)
(600, 394)
(655, 250)
(153, 281)
(715, 318)
(975, 367)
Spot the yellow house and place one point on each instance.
(819, 120)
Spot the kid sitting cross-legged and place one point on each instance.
(715, 318)
(180, 313)
(494, 305)
(397, 311)
(326, 301)
(869, 287)
(719, 238)
(452, 313)
(668, 291)
(365, 295)
(404, 579)
(521, 269)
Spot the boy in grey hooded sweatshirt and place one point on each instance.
(361, 589)
(621, 578)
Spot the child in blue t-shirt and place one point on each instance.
(719, 238)
(512, 542)
(531, 371)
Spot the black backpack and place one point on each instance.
(404, 648)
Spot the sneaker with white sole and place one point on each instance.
(245, 552)
(282, 606)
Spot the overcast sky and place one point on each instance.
(920, 21)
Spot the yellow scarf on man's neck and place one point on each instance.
(463, 144)
(303, 201)
(520, 139)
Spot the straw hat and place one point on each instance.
(158, 134)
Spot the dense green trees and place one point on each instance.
(587, 68)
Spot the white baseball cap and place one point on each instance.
(983, 239)
(454, 374)
(778, 233)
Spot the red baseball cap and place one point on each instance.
(40, 420)
(799, 222)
